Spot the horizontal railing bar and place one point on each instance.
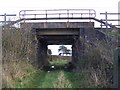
(8, 15)
(60, 10)
(114, 25)
(57, 13)
(111, 19)
(56, 18)
(7, 21)
(110, 13)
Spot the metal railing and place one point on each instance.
(112, 20)
(5, 21)
(57, 13)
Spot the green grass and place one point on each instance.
(49, 80)
(59, 62)
(78, 80)
(53, 79)
(39, 79)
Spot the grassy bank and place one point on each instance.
(53, 79)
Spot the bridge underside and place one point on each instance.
(61, 36)
(57, 36)
(57, 40)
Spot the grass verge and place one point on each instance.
(38, 79)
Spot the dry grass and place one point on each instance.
(97, 63)
(14, 72)
(18, 53)
(62, 82)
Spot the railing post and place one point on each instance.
(68, 15)
(59, 15)
(89, 13)
(46, 16)
(35, 15)
(5, 19)
(101, 23)
(106, 21)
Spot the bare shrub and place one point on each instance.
(17, 45)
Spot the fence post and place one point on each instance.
(5, 18)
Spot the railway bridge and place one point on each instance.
(62, 26)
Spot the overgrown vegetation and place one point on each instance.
(96, 63)
(16, 72)
(19, 53)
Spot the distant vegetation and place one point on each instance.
(63, 50)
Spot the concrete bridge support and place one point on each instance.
(77, 51)
(74, 54)
(42, 54)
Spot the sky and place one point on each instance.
(54, 48)
(100, 6)
(12, 6)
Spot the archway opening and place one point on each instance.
(59, 57)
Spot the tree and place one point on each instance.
(68, 51)
(63, 50)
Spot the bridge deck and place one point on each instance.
(58, 25)
(58, 32)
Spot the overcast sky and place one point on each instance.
(101, 6)
(14, 6)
